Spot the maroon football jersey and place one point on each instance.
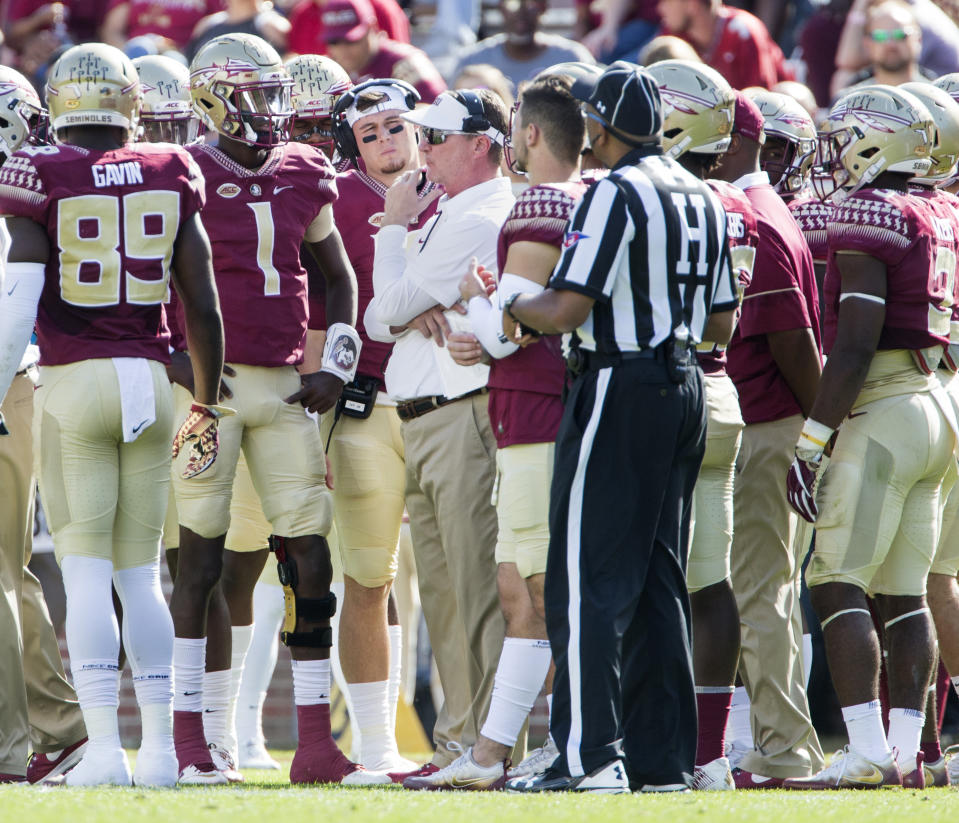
(781, 296)
(812, 215)
(742, 236)
(256, 220)
(112, 218)
(947, 205)
(900, 230)
(525, 387)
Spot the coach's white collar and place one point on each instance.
(754, 178)
(468, 198)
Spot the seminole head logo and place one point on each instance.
(344, 352)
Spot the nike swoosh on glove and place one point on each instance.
(200, 427)
(801, 488)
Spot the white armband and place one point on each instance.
(19, 299)
(510, 284)
(341, 352)
(487, 323)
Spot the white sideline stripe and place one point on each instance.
(574, 527)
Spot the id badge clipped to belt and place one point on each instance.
(358, 398)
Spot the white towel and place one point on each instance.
(137, 400)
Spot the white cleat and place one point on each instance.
(392, 762)
(193, 776)
(362, 777)
(99, 768)
(537, 761)
(225, 763)
(462, 773)
(156, 767)
(253, 755)
(714, 776)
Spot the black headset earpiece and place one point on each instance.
(343, 136)
(476, 120)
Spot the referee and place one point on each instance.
(644, 277)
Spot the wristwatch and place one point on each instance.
(508, 306)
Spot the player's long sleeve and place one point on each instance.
(19, 300)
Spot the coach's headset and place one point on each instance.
(343, 135)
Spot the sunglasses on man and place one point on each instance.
(885, 35)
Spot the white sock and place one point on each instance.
(905, 731)
(154, 690)
(216, 698)
(396, 672)
(523, 666)
(189, 660)
(311, 682)
(98, 691)
(157, 722)
(260, 661)
(372, 712)
(866, 734)
(242, 636)
(739, 726)
(806, 659)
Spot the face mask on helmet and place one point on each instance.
(181, 132)
(23, 124)
(259, 115)
(828, 173)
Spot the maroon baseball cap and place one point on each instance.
(346, 19)
(749, 119)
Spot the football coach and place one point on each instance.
(643, 277)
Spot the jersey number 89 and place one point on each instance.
(91, 229)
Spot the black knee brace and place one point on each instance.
(313, 609)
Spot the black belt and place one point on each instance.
(419, 406)
(582, 360)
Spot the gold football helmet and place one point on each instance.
(241, 89)
(788, 123)
(698, 107)
(23, 119)
(166, 113)
(318, 82)
(869, 131)
(949, 83)
(93, 85)
(945, 115)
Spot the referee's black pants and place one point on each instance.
(627, 456)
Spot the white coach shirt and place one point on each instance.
(414, 271)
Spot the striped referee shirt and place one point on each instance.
(648, 243)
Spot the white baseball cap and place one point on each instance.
(451, 112)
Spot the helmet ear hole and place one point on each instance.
(867, 153)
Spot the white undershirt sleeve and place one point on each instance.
(19, 299)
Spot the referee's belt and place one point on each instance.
(419, 406)
(583, 360)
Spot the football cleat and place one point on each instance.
(952, 765)
(51, 764)
(93, 84)
(713, 776)
(850, 770)
(936, 774)
(156, 767)
(201, 775)
(17, 779)
(392, 763)
(225, 763)
(537, 761)
(325, 763)
(422, 771)
(254, 755)
(462, 773)
(749, 780)
(97, 768)
(609, 778)
(916, 779)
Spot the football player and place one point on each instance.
(318, 82)
(97, 228)
(546, 135)
(877, 506)
(30, 650)
(366, 448)
(266, 196)
(943, 592)
(698, 107)
(166, 115)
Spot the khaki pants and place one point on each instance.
(768, 548)
(37, 704)
(450, 466)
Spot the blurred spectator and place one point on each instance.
(615, 29)
(782, 18)
(485, 76)
(732, 41)
(666, 47)
(35, 30)
(74, 21)
(936, 41)
(171, 20)
(349, 31)
(818, 42)
(891, 42)
(242, 16)
(307, 18)
(522, 50)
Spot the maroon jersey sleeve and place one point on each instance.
(813, 216)
(22, 192)
(539, 215)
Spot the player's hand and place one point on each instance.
(801, 482)
(4, 431)
(402, 202)
(464, 348)
(472, 284)
(318, 392)
(200, 432)
(180, 371)
(432, 323)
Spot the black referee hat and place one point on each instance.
(625, 96)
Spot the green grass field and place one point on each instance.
(267, 797)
